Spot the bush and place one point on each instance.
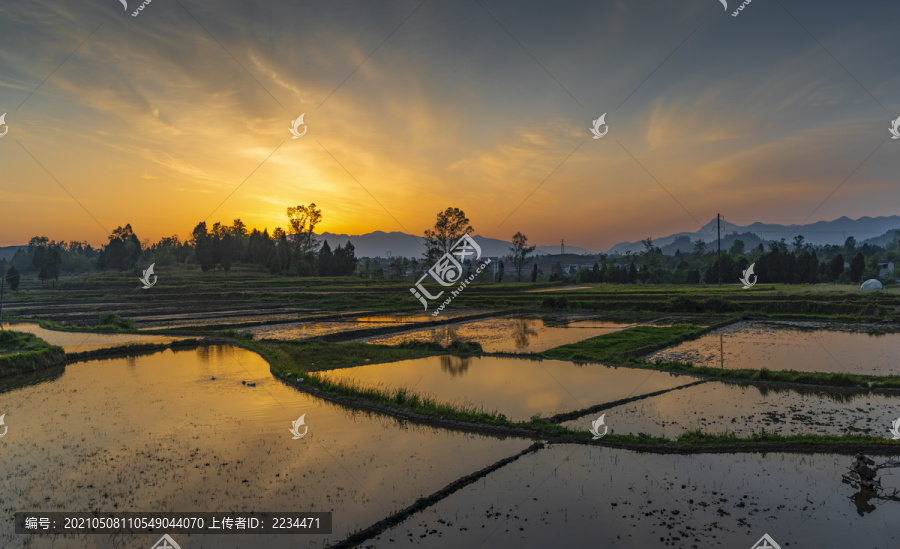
(554, 303)
(874, 309)
(113, 321)
(683, 304)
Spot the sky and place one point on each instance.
(183, 114)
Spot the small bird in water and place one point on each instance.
(251, 385)
(243, 382)
(213, 378)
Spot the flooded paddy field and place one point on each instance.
(798, 346)
(516, 387)
(348, 323)
(303, 330)
(716, 407)
(74, 342)
(577, 496)
(201, 321)
(512, 335)
(158, 433)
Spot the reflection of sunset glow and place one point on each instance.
(518, 388)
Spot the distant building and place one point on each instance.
(885, 268)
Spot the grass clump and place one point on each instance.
(23, 352)
(113, 322)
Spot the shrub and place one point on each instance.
(115, 322)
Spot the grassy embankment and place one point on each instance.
(21, 353)
(300, 360)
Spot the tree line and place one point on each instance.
(297, 251)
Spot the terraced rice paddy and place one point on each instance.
(511, 335)
(516, 387)
(74, 342)
(715, 407)
(576, 496)
(158, 433)
(798, 346)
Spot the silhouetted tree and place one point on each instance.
(302, 221)
(12, 278)
(344, 261)
(326, 260)
(857, 266)
(203, 247)
(122, 252)
(226, 251)
(835, 267)
(450, 226)
(520, 252)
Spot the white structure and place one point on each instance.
(871, 284)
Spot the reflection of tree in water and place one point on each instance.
(455, 365)
(522, 332)
(444, 336)
(863, 478)
(863, 500)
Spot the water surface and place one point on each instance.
(516, 387)
(588, 497)
(717, 407)
(762, 345)
(511, 335)
(157, 433)
(73, 342)
(304, 330)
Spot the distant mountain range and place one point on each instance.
(871, 230)
(382, 244)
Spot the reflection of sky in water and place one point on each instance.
(511, 335)
(155, 433)
(518, 388)
(745, 409)
(201, 321)
(301, 330)
(74, 342)
(586, 497)
(756, 345)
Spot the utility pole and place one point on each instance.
(562, 247)
(719, 238)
